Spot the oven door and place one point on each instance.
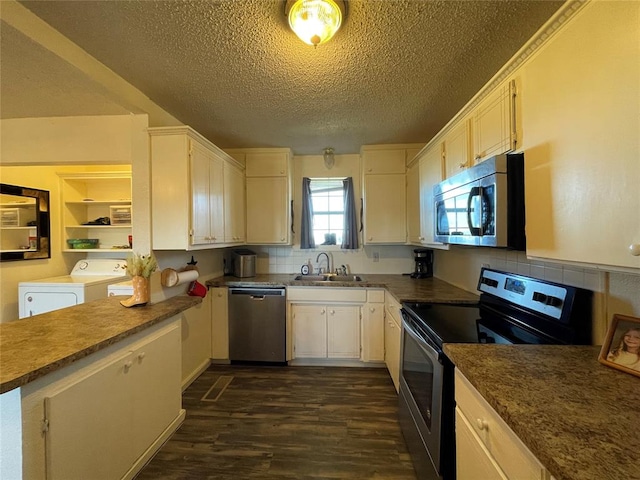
(421, 377)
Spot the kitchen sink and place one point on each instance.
(345, 278)
(312, 278)
(329, 278)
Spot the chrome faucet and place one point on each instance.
(328, 262)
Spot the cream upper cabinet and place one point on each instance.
(413, 204)
(431, 173)
(207, 201)
(197, 192)
(456, 148)
(268, 183)
(385, 192)
(494, 129)
(234, 204)
(581, 128)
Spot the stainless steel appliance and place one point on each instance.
(244, 263)
(424, 263)
(483, 205)
(257, 325)
(512, 309)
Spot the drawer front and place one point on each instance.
(393, 307)
(513, 457)
(375, 296)
(326, 294)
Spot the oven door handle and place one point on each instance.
(425, 344)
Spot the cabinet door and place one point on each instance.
(373, 332)
(343, 331)
(219, 323)
(234, 205)
(456, 149)
(267, 164)
(413, 204)
(216, 199)
(392, 349)
(385, 209)
(383, 161)
(196, 340)
(493, 124)
(155, 385)
(200, 196)
(267, 210)
(90, 425)
(473, 461)
(431, 168)
(309, 325)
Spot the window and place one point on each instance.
(327, 196)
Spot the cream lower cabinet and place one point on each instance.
(219, 323)
(325, 323)
(486, 447)
(373, 327)
(106, 415)
(326, 331)
(392, 338)
(196, 341)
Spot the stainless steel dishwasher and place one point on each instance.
(257, 325)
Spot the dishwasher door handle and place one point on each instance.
(257, 297)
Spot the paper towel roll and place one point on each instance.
(170, 278)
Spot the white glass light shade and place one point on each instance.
(329, 159)
(315, 21)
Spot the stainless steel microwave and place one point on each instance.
(483, 205)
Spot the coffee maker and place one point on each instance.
(424, 263)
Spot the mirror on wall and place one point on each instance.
(24, 223)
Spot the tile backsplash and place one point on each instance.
(370, 259)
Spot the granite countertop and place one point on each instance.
(402, 287)
(579, 418)
(33, 347)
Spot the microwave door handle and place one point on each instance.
(474, 192)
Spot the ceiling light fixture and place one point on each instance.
(315, 21)
(329, 159)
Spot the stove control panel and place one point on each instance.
(536, 295)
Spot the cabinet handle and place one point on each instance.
(478, 156)
(127, 366)
(372, 309)
(482, 424)
(141, 356)
(219, 294)
(332, 312)
(634, 249)
(462, 165)
(322, 312)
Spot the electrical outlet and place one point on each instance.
(376, 256)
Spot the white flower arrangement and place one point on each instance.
(141, 265)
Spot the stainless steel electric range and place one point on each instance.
(512, 309)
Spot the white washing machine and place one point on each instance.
(87, 281)
(122, 288)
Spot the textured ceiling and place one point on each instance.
(396, 72)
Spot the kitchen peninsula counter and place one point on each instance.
(33, 347)
(577, 416)
(402, 287)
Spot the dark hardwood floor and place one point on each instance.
(287, 423)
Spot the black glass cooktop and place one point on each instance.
(446, 322)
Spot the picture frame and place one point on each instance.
(621, 344)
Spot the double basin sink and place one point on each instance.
(329, 278)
